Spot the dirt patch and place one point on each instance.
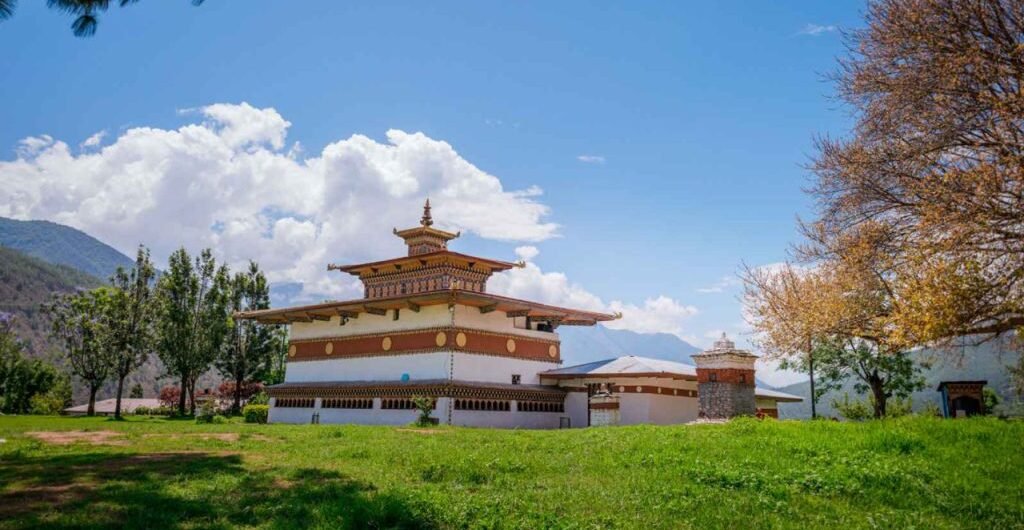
(70, 437)
(222, 436)
(423, 431)
(31, 499)
(261, 438)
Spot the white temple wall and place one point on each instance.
(432, 316)
(507, 419)
(380, 368)
(577, 408)
(290, 415)
(634, 409)
(668, 410)
(765, 403)
(493, 369)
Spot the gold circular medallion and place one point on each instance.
(510, 345)
(639, 389)
(622, 389)
(460, 339)
(552, 351)
(440, 339)
(291, 350)
(329, 348)
(386, 343)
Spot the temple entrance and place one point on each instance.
(966, 406)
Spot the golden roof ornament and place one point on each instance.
(724, 343)
(426, 220)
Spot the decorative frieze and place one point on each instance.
(423, 341)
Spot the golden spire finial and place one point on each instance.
(426, 220)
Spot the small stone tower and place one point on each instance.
(725, 381)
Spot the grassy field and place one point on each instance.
(158, 473)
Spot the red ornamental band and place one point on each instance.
(420, 341)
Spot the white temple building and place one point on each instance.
(426, 326)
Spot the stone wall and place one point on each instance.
(725, 400)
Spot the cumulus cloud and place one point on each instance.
(591, 159)
(660, 314)
(227, 182)
(816, 30)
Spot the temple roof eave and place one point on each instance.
(485, 302)
(439, 256)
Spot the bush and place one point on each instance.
(169, 396)
(856, 410)
(153, 411)
(47, 403)
(218, 419)
(259, 398)
(207, 411)
(256, 413)
(991, 400)
(425, 406)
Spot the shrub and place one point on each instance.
(207, 411)
(990, 399)
(136, 391)
(169, 396)
(425, 406)
(259, 398)
(218, 419)
(856, 410)
(153, 411)
(256, 413)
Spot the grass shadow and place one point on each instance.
(187, 490)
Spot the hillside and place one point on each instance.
(987, 361)
(25, 284)
(62, 245)
(160, 473)
(586, 344)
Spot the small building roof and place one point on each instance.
(944, 383)
(630, 365)
(106, 406)
(634, 366)
(419, 261)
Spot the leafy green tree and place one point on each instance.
(877, 372)
(54, 400)
(86, 12)
(130, 317)
(21, 378)
(193, 319)
(136, 391)
(278, 357)
(247, 352)
(80, 322)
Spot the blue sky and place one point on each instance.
(668, 138)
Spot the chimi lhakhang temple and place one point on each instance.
(426, 326)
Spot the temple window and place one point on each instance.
(516, 378)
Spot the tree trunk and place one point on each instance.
(120, 389)
(878, 392)
(192, 396)
(182, 395)
(91, 411)
(237, 407)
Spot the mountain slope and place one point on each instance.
(62, 245)
(586, 344)
(25, 284)
(987, 361)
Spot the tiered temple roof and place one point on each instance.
(429, 275)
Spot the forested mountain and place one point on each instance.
(62, 245)
(25, 284)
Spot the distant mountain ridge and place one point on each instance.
(62, 245)
(586, 344)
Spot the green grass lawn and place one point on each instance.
(157, 473)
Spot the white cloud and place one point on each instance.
(721, 285)
(527, 253)
(94, 140)
(816, 30)
(656, 315)
(591, 159)
(228, 183)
